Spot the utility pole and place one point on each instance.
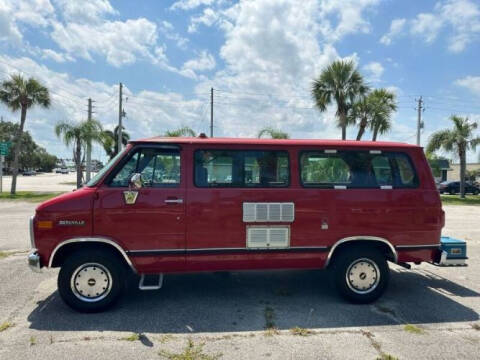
(419, 119)
(88, 167)
(211, 112)
(120, 115)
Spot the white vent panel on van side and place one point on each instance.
(257, 237)
(278, 237)
(249, 212)
(264, 237)
(268, 212)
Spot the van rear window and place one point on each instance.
(356, 169)
(241, 168)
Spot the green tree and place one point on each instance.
(77, 135)
(383, 105)
(31, 155)
(458, 141)
(341, 83)
(109, 141)
(373, 110)
(21, 94)
(273, 133)
(184, 131)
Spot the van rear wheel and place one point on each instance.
(91, 281)
(361, 274)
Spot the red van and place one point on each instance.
(168, 205)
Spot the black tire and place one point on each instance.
(365, 259)
(451, 192)
(100, 266)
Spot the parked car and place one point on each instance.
(242, 204)
(29, 173)
(453, 187)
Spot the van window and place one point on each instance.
(158, 168)
(407, 176)
(241, 168)
(354, 169)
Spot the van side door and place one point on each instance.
(148, 222)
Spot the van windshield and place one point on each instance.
(93, 181)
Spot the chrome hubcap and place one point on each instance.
(363, 276)
(91, 282)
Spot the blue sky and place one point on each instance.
(260, 56)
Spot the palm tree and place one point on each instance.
(109, 141)
(273, 133)
(78, 135)
(184, 131)
(383, 105)
(373, 110)
(458, 140)
(92, 133)
(362, 112)
(18, 93)
(342, 83)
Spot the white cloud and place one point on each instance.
(374, 71)
(120, 42)
(208, 18)
(55, 56)
(205, 61)
(85, 11)
(190, 4)
(349, 14)
(396, 28)
(471, 83)
(461, 18)
(168, 30)
(426, 26)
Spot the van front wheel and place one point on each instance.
(361, 274)
(91, 281)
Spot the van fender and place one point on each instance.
(361, 238)
(102, 240)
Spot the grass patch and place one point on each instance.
(33, 341)
(190, 352)
(4, 254)
(385, 356)
(133, 337)
(300, 331)
(30, 196)
(413, 329)
(5, 325)
(455, 200)
(74, 183)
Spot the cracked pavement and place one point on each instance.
(228, 312)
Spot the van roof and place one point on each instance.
(278, 142)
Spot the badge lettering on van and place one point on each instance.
(71, 223)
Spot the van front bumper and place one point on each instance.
(34, 261)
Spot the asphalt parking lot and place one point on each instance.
(427, 312)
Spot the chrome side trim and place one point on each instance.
(32, 236)
(360, 238)
(92, 239)
(428, 246)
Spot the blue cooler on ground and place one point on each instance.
(453, 252)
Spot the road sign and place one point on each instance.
(4, 147)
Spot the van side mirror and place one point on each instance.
(136, 181)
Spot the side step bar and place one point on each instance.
(153, 284)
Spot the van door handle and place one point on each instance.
(174, 201)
